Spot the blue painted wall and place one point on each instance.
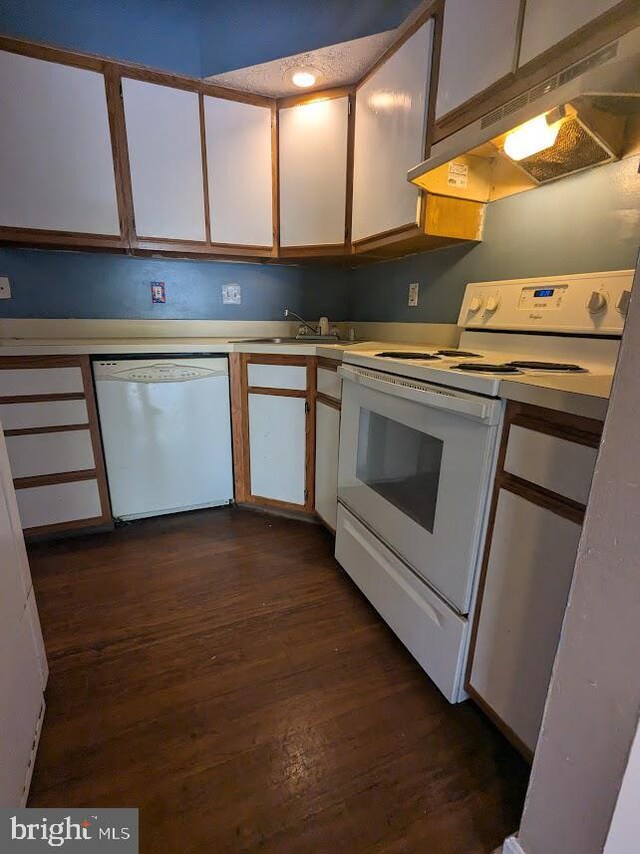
(587, 223)
(77, 284)
(163, 33)
(198, 37)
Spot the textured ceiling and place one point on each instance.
(338, 64)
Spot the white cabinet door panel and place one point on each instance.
(532, 557)
(239, 172)
(478, 49)
(564, 467)
(59, 502)
(50, 453)
(546, 22)
(165, 153)
(329, 383)
(277, 376)
(327, 444)
(56, 161)
(277, 444)
(50, 413)
(15, 382)
(391, 111)
(313, 172)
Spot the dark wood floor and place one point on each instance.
(220, 672)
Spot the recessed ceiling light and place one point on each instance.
(304, 77)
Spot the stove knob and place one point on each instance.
(598, 302)
(493, 304)
(623, 303)
(476, 304)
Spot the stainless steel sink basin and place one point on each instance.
(306, 339)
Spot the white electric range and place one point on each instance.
(419, 434)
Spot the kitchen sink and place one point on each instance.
(307, 339)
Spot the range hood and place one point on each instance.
(584, 116)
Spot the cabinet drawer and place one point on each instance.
(18, 382)
(431, 631)
(57, 503)
(50, 413)
(50, 453)
(556, 464)
(329, 383)
(277, 376)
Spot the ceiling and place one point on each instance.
(338, 65)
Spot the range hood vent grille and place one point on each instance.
(574, 149)
(599, 58)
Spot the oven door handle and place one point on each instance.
(469, 406)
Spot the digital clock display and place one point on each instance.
(543, 292)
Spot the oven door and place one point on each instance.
(416, 464)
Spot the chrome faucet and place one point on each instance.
(289, 313)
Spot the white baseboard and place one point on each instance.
(511, 846)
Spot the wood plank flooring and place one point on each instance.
(219, 671)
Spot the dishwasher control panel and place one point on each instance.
(159, 371)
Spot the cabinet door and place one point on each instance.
(277, 447)
(391, 108)
(327, 444)
(165, 153)
(238, 138)
(546, 22)
(478, 49)
(56, 161)
(313, 172)
(531, 561)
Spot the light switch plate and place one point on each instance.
(5, 288)
(413, 294)
(231, 295)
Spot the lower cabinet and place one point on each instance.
(542, 486)
(273, 423)
(329, 393)
(48, 414)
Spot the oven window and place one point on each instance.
(401, 464)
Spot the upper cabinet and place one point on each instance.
(56, 160)
(546, 22)
(391, 110)
(164, 139)
(478, 48)
(239, 172)
(313, 173)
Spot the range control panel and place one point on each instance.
(585, 304)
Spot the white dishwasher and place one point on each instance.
(166, 430)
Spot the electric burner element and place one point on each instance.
(403, 354)
(462, 354)
(485, 368)
(549, 366)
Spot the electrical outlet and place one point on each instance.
(5, 288)
(231, 295)
(413, 294)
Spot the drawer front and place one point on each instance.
(277, 376)
(329, 383)
(434, 634)
(58, 503)
(556, 464)
(50, 413)
(16, 382)
(50, 453)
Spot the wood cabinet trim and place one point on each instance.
(310, 435)
(120, 151)
(317, 95)
(94, 523)
(275, 180)
(205, 170)
(333, 402)
(60, 477)
(42, 398)
(328, 364)
(54, 428)
(96, 438)
(277, 392)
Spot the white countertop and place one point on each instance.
(585, 395)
